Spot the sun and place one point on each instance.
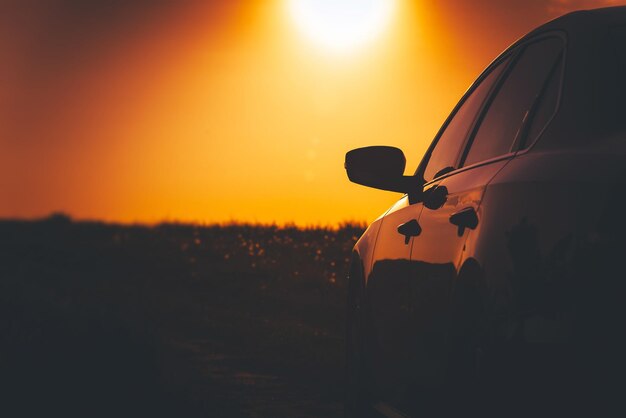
(341, 25)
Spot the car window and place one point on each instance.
(445, 155)
(540, 116)
(519, 92)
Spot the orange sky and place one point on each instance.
(222, 110)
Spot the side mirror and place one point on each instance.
(381, 168)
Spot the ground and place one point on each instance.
(172, 320)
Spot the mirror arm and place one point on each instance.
(414, 188)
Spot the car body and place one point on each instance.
(496, 282)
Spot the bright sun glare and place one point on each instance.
(341, 25)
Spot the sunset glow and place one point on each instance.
(222, 110)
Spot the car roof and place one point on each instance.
(585, 19)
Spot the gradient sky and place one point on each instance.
(222, 110)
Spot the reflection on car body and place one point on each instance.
(496, 283)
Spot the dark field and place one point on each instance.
(172, 320)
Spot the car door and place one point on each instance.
(391, 337)
(452, 199)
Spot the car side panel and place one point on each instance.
(387, 302)
(547, 269)
(538, 209)
(432, 273)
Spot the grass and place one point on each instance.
(172, 320)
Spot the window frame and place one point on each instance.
(512, 53)
(516, 145)
(425, 160)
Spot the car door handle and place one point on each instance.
(464, 218)
(409, 229)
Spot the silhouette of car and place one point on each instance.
(496, 284)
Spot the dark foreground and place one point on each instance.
(173, 320)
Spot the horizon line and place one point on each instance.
(62, 217)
